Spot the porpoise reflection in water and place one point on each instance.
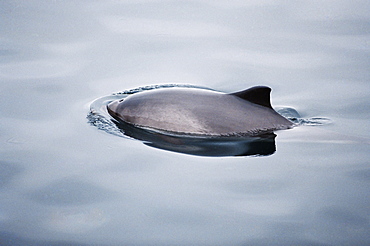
(193, 111)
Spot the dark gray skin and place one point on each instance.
(201, 112)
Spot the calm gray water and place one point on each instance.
(64, 182)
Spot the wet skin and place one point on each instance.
(201, 112)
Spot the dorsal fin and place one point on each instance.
(259, 95)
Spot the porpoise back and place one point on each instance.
(201, 112)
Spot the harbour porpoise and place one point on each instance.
(201, 112)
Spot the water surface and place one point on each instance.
(64, 182)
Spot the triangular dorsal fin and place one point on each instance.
(259, 95)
